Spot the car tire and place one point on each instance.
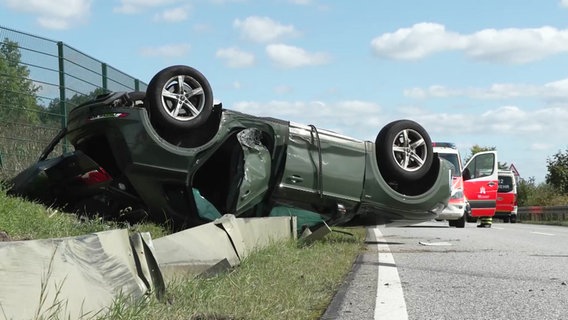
(404, 151)
(514, 218)
(460, 223)
(179, 98)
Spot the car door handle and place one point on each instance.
(245, 194)
(295, 179)
(491, 184)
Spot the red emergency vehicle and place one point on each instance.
(480, 177)
(507, 197)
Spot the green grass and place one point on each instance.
(23, 220)
(284, 281)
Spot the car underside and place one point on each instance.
(160, 154)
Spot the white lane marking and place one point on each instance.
(434, 243)
(390, 302)
(543, 233)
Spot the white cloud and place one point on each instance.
(364, 119)
(263, 29)
(173, 15)
(293, 57)
(170, 50)
(54, 14)
(235, 58)
(136, 6)
(500, 122)
(506, 115)
(416, 42)
(512, 45)
(552, 90)
(516, 45)
(337, 116)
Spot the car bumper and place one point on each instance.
(453, 211)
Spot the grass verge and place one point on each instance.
(22, 220)
(284, 281)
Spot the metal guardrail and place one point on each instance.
(543, 213)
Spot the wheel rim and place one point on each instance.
(183, 98)
(409, 150)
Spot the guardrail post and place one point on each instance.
(104, 73)
(62, 98)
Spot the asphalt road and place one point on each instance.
(430, 271)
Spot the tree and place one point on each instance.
(18, 93)
(557, 175)
(477, 148)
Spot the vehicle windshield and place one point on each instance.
(505, 184)
(453, 159)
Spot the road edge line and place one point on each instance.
(390, 303)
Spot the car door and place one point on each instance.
(321, 165)
(481, 182)
(256, 170)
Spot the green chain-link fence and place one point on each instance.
(40, 81)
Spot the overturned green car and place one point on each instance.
(170, 153)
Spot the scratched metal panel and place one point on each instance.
(148, 268)
(192, 251)
(229, 224)
(260, 232)
(251, 234)
(72, 276)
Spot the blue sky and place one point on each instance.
(481, 72)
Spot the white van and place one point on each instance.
(454, 213)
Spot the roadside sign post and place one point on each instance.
(515, 172)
